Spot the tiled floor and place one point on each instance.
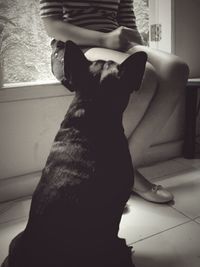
(161, 235)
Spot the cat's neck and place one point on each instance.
(83, 113)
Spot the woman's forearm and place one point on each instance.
(119, 39)
(64, 31)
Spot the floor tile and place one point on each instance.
(178, 247)
(144, 219)
(163, 169)
(7, 232)
(4, 206)
(186, 189)
(197, 220)
(14, 210)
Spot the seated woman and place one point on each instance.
(107, 30)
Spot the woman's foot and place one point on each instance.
(149, 191)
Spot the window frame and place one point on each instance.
(162, 12)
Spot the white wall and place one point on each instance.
(187, 33)
(29, 119)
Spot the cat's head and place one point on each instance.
(106, 83)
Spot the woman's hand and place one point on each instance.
(121, 39)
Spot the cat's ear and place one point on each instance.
(76, 66)
(131, 71)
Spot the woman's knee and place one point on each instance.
(176, 78)
(177, 70)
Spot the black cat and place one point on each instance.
(77, 206)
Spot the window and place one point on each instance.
(141, 8)
(25, 47)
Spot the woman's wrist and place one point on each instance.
(103, 40)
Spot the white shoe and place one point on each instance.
(156, 194)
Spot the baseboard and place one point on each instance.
(18, 187)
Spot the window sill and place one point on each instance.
(29, 91)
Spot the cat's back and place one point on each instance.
(70, 168)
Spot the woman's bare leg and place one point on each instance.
(172, 76)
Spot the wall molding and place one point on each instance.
(29, 91)
(18, 187)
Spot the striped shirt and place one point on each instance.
(99, 15)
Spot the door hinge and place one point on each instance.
(156, 32)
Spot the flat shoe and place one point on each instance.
(156, 194)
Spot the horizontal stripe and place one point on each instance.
(127, 11)
(127, 16)
(122, 2)
(83, 5)
(50, 14)
(50, 1)
(131, 25)
(100, 28)
(96, 23)
(71, 7)
(126, 22)
(91, 19)
(89, 23)
(94, 14)
(114, 2)
(126, 6)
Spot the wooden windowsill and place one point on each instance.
(194, 82)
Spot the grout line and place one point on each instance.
(19, 219)
(194, 220)
(142, 239)
(182, 213)
(197, 222)
(7, 208)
